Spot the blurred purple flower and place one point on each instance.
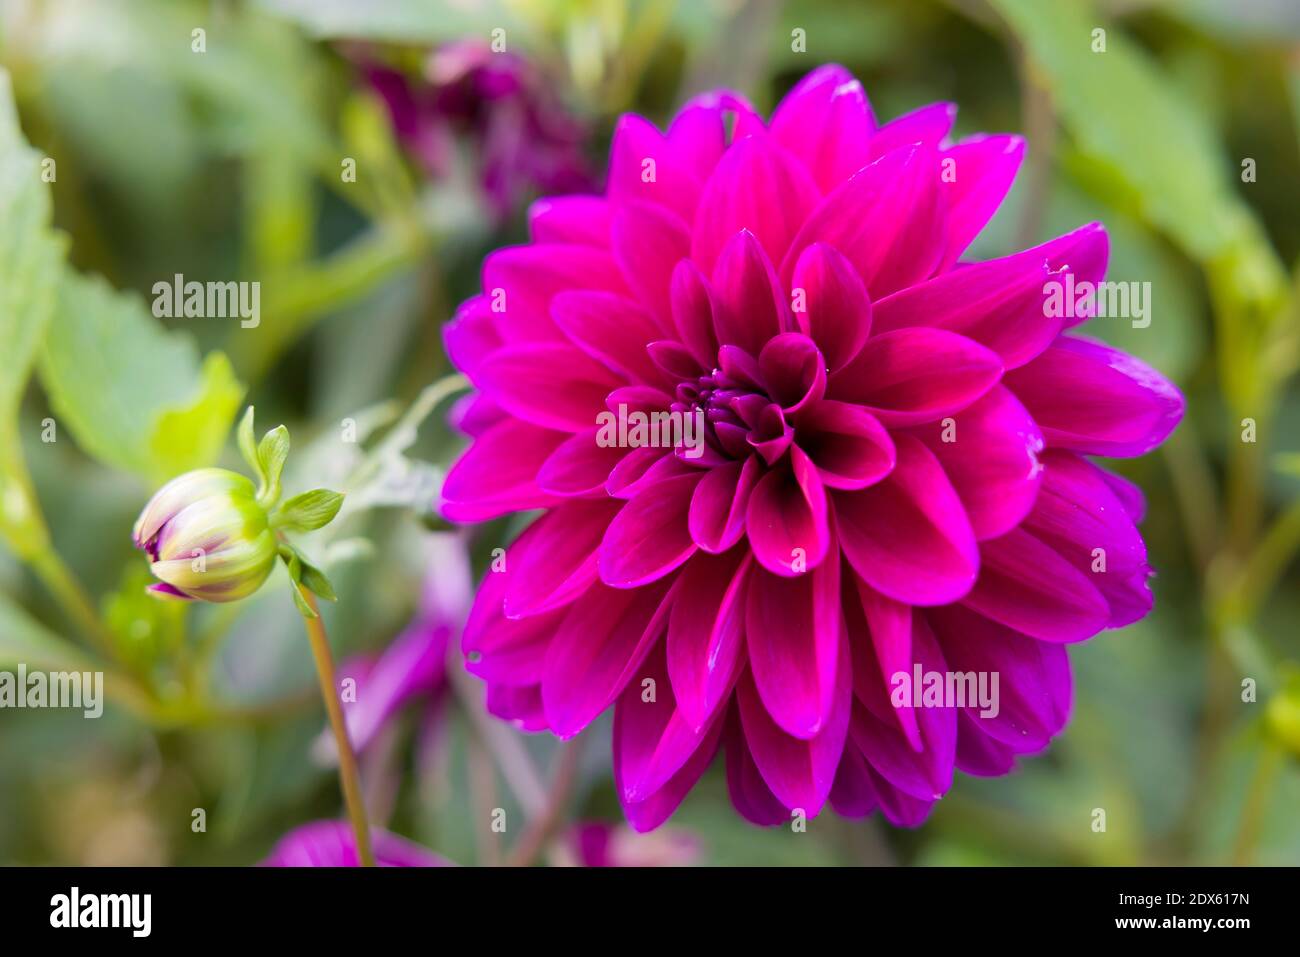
(331, 844)
(601, 844)
(503, 106)
(414, 666)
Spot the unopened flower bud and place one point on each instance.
(207, 537)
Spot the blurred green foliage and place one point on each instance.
(225, 162)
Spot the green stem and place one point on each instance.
(1268, 561)
(1256, 804)
(349, 777)
(58, 578)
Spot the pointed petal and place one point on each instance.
(827, 122)
(849, 446)
(908, 536)
(991, 457)
(597, 647)
(793, 635)
(649, 537)
(1088, 397)
(756, 186)
(976, 181)
(706, 634)
(787, 519)
(837, 312)
(1027, 586)
(911, 376)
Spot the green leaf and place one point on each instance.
(309, 511)
(303, 572)
(1137, 131)
(314, 579)
(30, 257)
(248, 445)
(133, 395)
(272, 452)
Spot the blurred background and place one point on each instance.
(358, 159)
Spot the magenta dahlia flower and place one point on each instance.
(891, 481)
(332, 844)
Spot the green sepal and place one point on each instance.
(248, 446)
(271, 454)
(308, 511)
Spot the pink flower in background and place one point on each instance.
(498, 103)
(599, 844)
(332, 844)
(893, 473)
(412, 669)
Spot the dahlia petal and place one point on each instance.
(876, 725)
(982, 170)
(648, 242)
(837, 312)
(1024, 584)
(673, 358)
(628, 477)
(908, 536)
(693, 312)
(471, 336)
(887, 220)
(991, 457)
(597, 647)
(555, 558)
(849, 446)
(1088, 397)
(698, 133)
(500, 649)
(413, 664)
(522, 706)
(786, 518)
(610, 329)
(756, 186)
(1033, 699)
(580, 465)
(519, 282)
(649, 537)
(1082, 520)
(799, 772)
(885, 625)
(648, 814)
(1129, 494)
(827, 122)
(978, 753)
(333, 844)
(910, 376)
(1001, 303)
(584, 220)
(750, 307)
(706, 634)
(643, 166)
(793, 634)
(899, 808)
(717, 514)
(853, 795)
(887, 751)
(651, 738)
(927, 126)
(554, 385)
(793, 370)
(474, 413)
(750, 795)
(497, 473)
